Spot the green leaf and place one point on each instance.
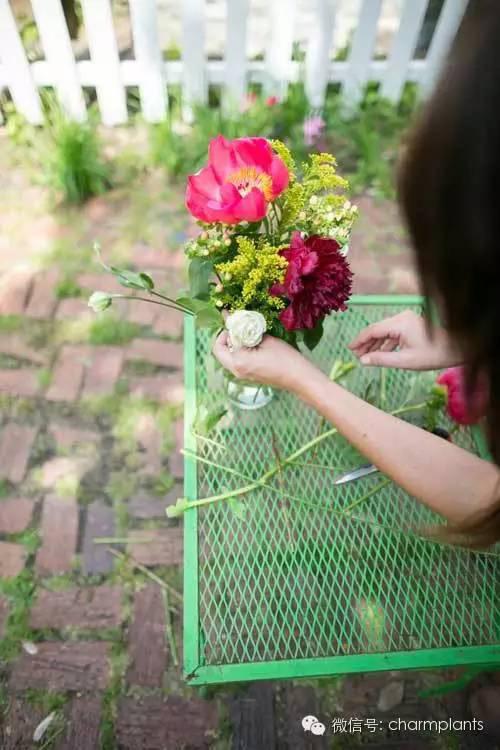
(200, 270)
(205, 420)
(312, 336)
(173, 511)
(237, 507)
(207, 316)
(132, 279)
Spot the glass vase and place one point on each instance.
(248, 396)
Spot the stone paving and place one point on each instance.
(90, 438)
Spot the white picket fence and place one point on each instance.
(152, 75)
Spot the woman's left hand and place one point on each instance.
(272, 362)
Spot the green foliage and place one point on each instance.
(67, 287)
(71, 157)
(108, 330)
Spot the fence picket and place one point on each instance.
(446, 28)
(236, 53)
(15, 69)
(148, 55)
(403, 48)
(194, 79)
(361, 52)
(318, 52)
(59, 56)
(104, 55)
(279, 51)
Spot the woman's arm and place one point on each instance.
(446, 478)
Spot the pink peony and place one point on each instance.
(242, 177)
(272, 101)
(318, 280)
(459, 409)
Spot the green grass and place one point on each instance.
(68, 287)
(44, 377)
(11, 323)
(5, 489)
(109, 330)
(19, 592)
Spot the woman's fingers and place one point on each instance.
(221, 350)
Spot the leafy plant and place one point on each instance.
(72, 157)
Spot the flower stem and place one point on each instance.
(168, 299)
(174, 306)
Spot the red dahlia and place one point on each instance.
(318, 280)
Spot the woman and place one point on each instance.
(450, 196)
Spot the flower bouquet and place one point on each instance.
(271, 250)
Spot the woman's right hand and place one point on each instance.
(403, 342)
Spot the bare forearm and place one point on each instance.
(448, 479)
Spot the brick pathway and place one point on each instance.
(90, 437)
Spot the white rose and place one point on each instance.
(246, 328)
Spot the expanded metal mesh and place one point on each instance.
(284, 574)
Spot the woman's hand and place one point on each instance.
(403, 342)
(273, 362)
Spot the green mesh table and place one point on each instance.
(282, 584)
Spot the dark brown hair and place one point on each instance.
(449, 186)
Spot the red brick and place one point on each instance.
(19, 723)
(146, 506)
(4, 613)
(13, 345)
(149, 438)
(147, 649)
(15, 515)
(156, 352)
(12, 559)
(60, 666)
(100, 282)
(67, 437)
(403, 281)
(103, 371)
(73, 307)
(85, 608)
(98, 209)
(16, 442)
(169, 323)
(67, 376)
(144, 256)
(43, 301)
(159, 723)
(20, 382)
(164, 388)
(176, 457)
(160, 546)
(84, 724)
(14, 289)
(96, 559)
(59, 535)
(61, 468)
(142, 313)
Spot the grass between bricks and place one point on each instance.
(108, 330)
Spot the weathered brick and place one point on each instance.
(73, 307)
(64, 468)
(142, 313)
(84, 608)
(144, 506)
(67, 375)
(15, 514)
(14, 290)
(4, 613)
(144, 256)
(149, 438)
(176, 461)
(13, 345)
(147, 649)
(169, 323)
(84, 724)
(96, 559)
(43, 301)
(156, 352)
(103, 370)
(99, 282)
(19, 723)
(16, 442)
(23, 383)
(67, 436)
(160, 546)
(12, 559)
(98, 209)
(63, 665)
(167, 389)
(59, 535)
(161, 723)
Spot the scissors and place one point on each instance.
(367, 469)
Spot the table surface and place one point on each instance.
(284, 581)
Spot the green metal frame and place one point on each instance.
(198, 673)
